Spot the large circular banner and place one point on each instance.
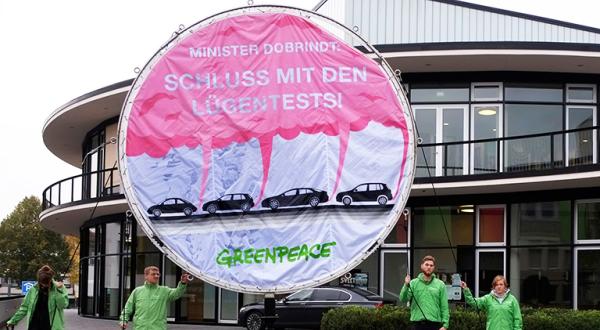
(262, 153)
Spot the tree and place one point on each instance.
(73, 243)
(25, 245)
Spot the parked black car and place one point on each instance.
(366, 192)
(306, 307)
(296, 196)
(229, 202)
(172, 205)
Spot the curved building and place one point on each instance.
(507, 179)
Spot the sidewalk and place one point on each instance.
(76, 322)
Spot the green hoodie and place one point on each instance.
(58, 300)
(505, 315)
(430, 296)
(148, 303)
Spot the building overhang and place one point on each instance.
(65, 130)
(493, 56)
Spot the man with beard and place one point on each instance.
(428, 298)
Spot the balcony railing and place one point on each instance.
(525, 153)
(88, 186)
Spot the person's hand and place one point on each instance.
(407, 279)
(442, 328)
(123, 325)
(59, 284)
(184, 278)
(463, 284)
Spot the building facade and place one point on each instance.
(507, 177)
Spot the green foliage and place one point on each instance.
(25, 245)
(354, 317)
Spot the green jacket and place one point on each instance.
(500, 316)
(430, 297)
(148, 304)
(58, 300)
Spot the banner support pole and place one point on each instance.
(270, 315)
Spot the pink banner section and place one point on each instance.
(258, 76)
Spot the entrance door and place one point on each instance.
(228, 306)
(587, 285)
(442, 124)
(394, 263)
(489, 263)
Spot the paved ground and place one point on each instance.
(76, 322)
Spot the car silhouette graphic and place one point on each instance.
(366, 192)
(296, 196)
(172, 205)
(241, 202)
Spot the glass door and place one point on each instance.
(489, 263)
(394, 265)
(228, 306)
(438, 125)
(587, 280)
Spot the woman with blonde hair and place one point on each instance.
(501, 307)
(44, 303)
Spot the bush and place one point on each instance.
(397, 318)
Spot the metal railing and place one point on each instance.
(87, 186)
(524, 153)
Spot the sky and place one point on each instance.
(54, 51)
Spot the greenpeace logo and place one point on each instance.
(279, 254)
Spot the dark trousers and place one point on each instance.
(425, 325)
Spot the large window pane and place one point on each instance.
(485, 126)
(453, 131)
(111, 286)
(142, 261)
(541, 93)
(426, 125)
(398, 235)
(541, 276)
(445, 265)
(588, 273)
(491, 263)
(439, 95)
(491, 225)
(143, 243)
(88, 295)
(581, 143)
(229, 305)
(394, 265)
(171, 280)
(113, 238)
(429, 228)
(92, 241)
(199, 302)
(541, 223)
(588, 221)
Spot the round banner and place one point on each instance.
(262, 153)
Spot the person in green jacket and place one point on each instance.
(148, 303)
(501, 307)
(428, 298)
(44, 303)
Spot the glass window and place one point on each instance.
(142, 261)
(541, 223)
(429, 228)
(487, 91)
(399, 234)
(143, 243)
(199, 302)
(329, 295)
(486, 125)
(88, 295)
(229, 305)
(445, 265)
(362, 187)
(112, 238)
(525, 119)
(395, 263)
(535, 283)
(588, 273)
(171, 280)
(581, 143)
(588, 221)
(290, 193)
(491, 225)
(439, 95)
(111, 286)
(426, 125)
(302, 295)
(491, 263)
(581, 93)
(534, 93)
(92, 241)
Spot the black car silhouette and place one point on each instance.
(305, 308)
(366, 192)
(172, 205)
(296, 196)
(229, 202)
